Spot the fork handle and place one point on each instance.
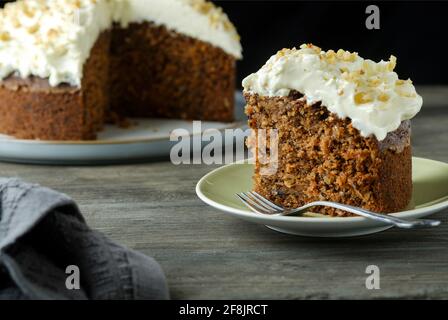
(401, 223)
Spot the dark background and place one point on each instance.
(414, 31)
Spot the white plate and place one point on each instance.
(218, 188)
(150, 138)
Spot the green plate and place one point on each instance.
(218, 189)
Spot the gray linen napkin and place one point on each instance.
(42, 232)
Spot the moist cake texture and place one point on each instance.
(165, 70)
(67, 65)
(322, 153)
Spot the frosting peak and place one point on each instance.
(369, 93)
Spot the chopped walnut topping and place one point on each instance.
(384, 97)
(217, 17)
(33, 28)
(363, 97)
(4, 36)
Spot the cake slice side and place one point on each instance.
(323, 157)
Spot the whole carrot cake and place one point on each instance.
(342, 130)
(65, 65)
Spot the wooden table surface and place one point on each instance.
(153, 208)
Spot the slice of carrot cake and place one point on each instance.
(343, 130)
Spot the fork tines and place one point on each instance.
(258, 203)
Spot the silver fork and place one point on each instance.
(259, 204)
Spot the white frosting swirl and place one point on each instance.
(53, 38)
(368, 93)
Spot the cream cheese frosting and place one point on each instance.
(369, 93)
(50, 38)
(53, 38)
